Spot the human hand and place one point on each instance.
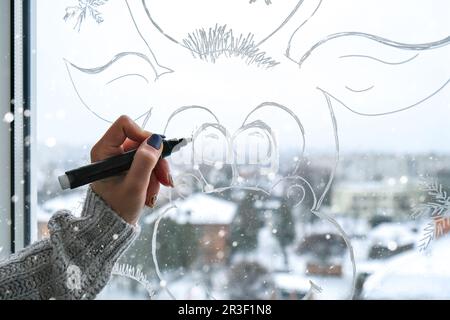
(129, 193)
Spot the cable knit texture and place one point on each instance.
(75, 262)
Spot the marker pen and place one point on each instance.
(112, 166)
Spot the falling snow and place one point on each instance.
(27, 141)
(50, 142)
(8, 117)
(218, 165)
(220, 255)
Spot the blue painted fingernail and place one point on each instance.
(155, 141)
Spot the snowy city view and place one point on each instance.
(240, 244)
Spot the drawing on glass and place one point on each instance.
(437, 207)
(362, 68)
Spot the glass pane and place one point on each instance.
(319, 166)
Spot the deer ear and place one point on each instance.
(122, 85)
(163, 50)
(371, 75)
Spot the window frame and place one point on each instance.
(5, 140)
(18, 227)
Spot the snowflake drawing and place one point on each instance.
(267, 1)
(437, 207)
(73, 280)
(84, 10)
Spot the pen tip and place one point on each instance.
(64, 182)
(179, 143)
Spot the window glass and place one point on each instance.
(319, 166)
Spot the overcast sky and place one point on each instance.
(231, 89)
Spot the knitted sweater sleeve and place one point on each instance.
(75, 262)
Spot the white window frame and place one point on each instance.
(5, 98)
(18, 199)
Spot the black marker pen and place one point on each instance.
(112, 166)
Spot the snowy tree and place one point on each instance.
(246, 225)
(284, 229)
(177, 244)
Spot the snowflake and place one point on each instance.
(267, 1)
(84, 10)
(74, 274)
(436, 208)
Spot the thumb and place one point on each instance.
(145, 160)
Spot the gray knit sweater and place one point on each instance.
(75, 262)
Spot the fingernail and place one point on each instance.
(171, 180)
(155, 141)
(153, 201)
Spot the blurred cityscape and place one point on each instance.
(247, 244)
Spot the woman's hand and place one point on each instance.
(128, 194)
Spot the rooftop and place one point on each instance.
(198, 209)
(413, 275)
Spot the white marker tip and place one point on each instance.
(64, 182)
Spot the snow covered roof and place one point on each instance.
(413, 275)
(386, 233)
(351, 225)
(291, 282)
(269, 204)
(370, 266)
(199, 209)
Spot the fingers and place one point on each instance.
(117, 134)
(145, 160)
(123, 128)
(162, 169)
(152, 191)
(162, 172)
(131, 145)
